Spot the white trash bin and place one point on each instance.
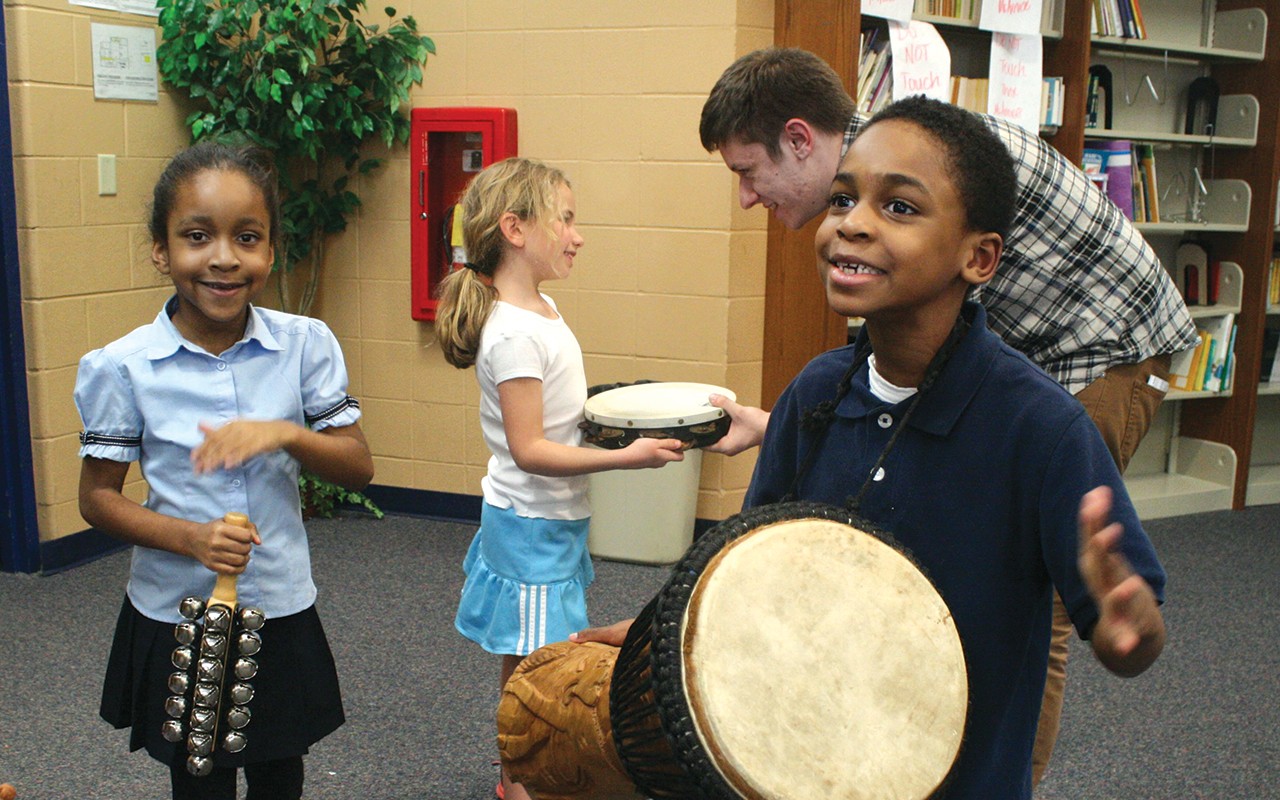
(645, 515)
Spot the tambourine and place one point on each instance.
(618, 414)
(794, 653)
(209, 707)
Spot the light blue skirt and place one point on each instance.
(526, 582)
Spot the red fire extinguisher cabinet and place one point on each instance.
(447, 146)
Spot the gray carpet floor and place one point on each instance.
(1202, 723)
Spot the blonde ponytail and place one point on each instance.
(465, 304)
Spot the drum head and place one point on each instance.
(820, 662)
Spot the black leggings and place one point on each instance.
(267, 780)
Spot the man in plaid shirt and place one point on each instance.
(1078, 290)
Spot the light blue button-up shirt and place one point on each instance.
(142, 398)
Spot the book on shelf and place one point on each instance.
(1145, 158)
(875, 73)
(1113, 158)
(1210, 365)
(970, 93)
(1221, 331)
(1051, 102)
(1273, 282)
(1121, 18)
(1271, 355)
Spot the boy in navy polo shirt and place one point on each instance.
(976, 460)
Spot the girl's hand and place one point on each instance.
(238, 441)
(223, 547)
(645, 453)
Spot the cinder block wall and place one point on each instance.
(669, 285)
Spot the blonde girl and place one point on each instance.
(528, 565)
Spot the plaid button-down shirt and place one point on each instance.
(1078, 289)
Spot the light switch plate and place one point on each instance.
(106, 174)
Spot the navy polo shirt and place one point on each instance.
(983, 489)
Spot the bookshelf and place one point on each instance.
(1206, 450)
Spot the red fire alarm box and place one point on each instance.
(448, 146)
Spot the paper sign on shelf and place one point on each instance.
(1016, 79)
(896, 10)
(921, 61)
(1012, 16)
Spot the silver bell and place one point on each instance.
(175, 706)
(217, 618)
(199, 744)
(209, 669)
(213, 644)
(200, 766)
(241, 693)
(207, 694)
(249, 643)
(186, 632)
(238, 717)
(234, 742)
(172, 730)
(179, 682)
(251, 619)
(203, 719)
(191, 607)
(182, 657)
(245, 668)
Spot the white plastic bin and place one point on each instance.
(645, 515)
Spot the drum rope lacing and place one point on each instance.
(818, 419)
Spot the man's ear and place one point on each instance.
(797, 137)
(513, 228)
(984, 254)
(160, 257)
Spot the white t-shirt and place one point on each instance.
(517, 343)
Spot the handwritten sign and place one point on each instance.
(921, 61)
(1012, 16)
(896, 10)
(1016, 79)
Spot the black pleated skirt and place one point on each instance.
(296, 703)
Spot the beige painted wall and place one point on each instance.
(669, 286)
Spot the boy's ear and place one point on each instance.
(512, 228)
(984, 255)
(797, 137)
(160, 257)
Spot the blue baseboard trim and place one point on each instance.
(444, 506)
(78, 548)
(90, 545)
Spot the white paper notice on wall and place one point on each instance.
(147, 8)
(921, 61)
(1012, 16)
(1016, 79)
(124, 62)
(896, 10)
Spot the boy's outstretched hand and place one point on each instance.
(1130, 631)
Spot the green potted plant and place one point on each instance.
(311, 82)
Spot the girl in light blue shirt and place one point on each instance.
(221, 403)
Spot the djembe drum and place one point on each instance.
(795, 652)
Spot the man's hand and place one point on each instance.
(746, 430)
